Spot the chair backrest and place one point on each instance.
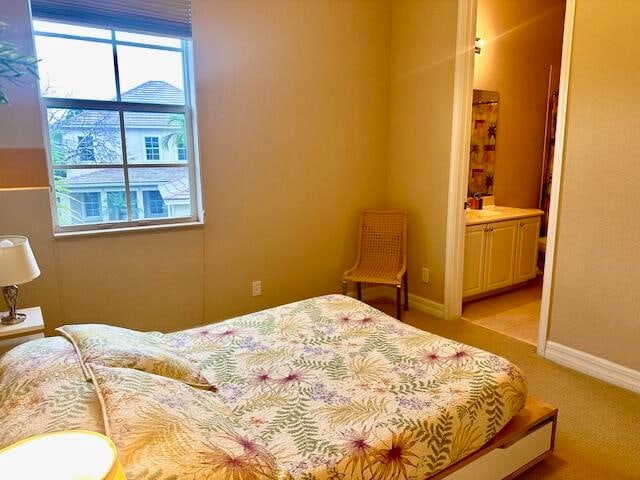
(383, 239)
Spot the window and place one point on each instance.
(92, 204)
(152, 148)
(86, 152)
(117, 105)
(86, 206)
(182, 152)
(154, 205)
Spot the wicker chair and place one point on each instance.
(382, 253)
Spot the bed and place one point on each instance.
(325, 388)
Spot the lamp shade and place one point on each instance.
(70, 455)
(17, 263)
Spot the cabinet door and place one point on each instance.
(527, 250)
(474, 246)
(500, 254)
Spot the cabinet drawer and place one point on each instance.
(503, 461)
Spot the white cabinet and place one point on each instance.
(499, 254)
(527, 249)
(474, 246)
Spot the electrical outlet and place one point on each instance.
(425, 275)
(256, 288)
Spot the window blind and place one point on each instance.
(159, 17)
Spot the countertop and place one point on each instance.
(497, 213)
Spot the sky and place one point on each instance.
(84, 69)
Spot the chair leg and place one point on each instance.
(344, 287)
(406, 291)
(359, 291)
(398, 303)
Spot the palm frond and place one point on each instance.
(14, 65)
(354, 413)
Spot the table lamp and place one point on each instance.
(68, 455)
(17, 266)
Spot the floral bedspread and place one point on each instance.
(336, 389)
(329, 388)
(43, 389)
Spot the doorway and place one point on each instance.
(536, 293)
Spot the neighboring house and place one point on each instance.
(98, 195)
(92, 137)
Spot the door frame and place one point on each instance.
(459, 164)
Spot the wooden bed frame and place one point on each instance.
(526, 440)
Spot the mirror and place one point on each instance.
(482, 152)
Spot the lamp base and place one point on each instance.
(10, 294)
(12, 320)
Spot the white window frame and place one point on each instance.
(188, 110)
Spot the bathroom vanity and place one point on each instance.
(501, 248)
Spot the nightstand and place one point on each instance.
(30, 329)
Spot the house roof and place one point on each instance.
(159, 91)
(176, 190)
(100, 176)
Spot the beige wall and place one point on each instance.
(523, 38)
(308, 112)
(422, 71)
(293, 108)
(27, 212)
(23, 167)
(595, 303)
(22, 156)
(142, 280)
(293, 111)
(20, 120)
(135, 280)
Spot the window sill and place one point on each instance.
(128, 230)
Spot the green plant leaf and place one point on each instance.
(14, 65)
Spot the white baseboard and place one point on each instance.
(371, 293)
(415, 301)
(595, 366)
(427, 306)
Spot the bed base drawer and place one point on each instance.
(509, 461)
(527, 439)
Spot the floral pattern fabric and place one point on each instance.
(165, 429)
(326, 388)
(43, 389)
(336, 389)
(120, 347)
